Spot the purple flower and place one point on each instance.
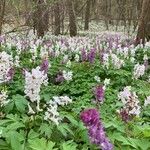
(90, 118)
(10, 74)
(59, 78)
(83, 55)
(91, 55)
(98, 137)
(124, 115)
(44, 66)
(99, 93)
(2, 39)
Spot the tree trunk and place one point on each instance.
(2, 12)
(40, 18)
(72, 18)
(144, 23)
(87, 15)
(57, 18)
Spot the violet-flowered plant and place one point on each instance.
(44, 66)
(99, 93)
(91, 120)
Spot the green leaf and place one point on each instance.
(69, 145)
(64, 129)
(20, 102)
(46, 129)
(9, 107)
(15, 126)
(32, 134)
(4, 145)
(14, 140)
(41, 144)
(72, 119)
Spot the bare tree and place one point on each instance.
(57, 17)
(87, 15)
(40, 17)
(72, 18)
(144, 23)
(2, 12)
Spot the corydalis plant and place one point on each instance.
(139, 71)
(3, 98)
(6, 63)
(99, 93)
(130, 102)
(91, 120)
(92, 55)
(44, 66)
(33, 82)
(52, 113)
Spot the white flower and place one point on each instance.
(68, 65)
(62, 100)
(77, 58)
(106, 82)
(44, 53)
(97, 78)
(3, 98)
(145, 57)
(106, 60)
(147, 101)
(52, 109)
(31, 111)
(130, 101)
(6, 63)
(67, 75)
(17, 61)
(132, 59)
(33, 82)
(139, 71)
(65, 58)
(116, 62)
(125, 94)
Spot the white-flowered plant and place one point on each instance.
(147, 101)
(33, 82)
(116, 62)
(3, 98)
(130, 101)
(68, 64)
(17, 61)
(139, 71)
(106, 60)
(44, 52)
(106, 83)
(145, 58)
(77, 58)
(67, 75)
(97, 79)
(52, 113)
(6, 63)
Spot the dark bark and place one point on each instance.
(57, 18)
(72, 18)
(2, 12)
(87, 15)
(40, 18)
(144, 23)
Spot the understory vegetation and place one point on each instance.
(79, 93)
